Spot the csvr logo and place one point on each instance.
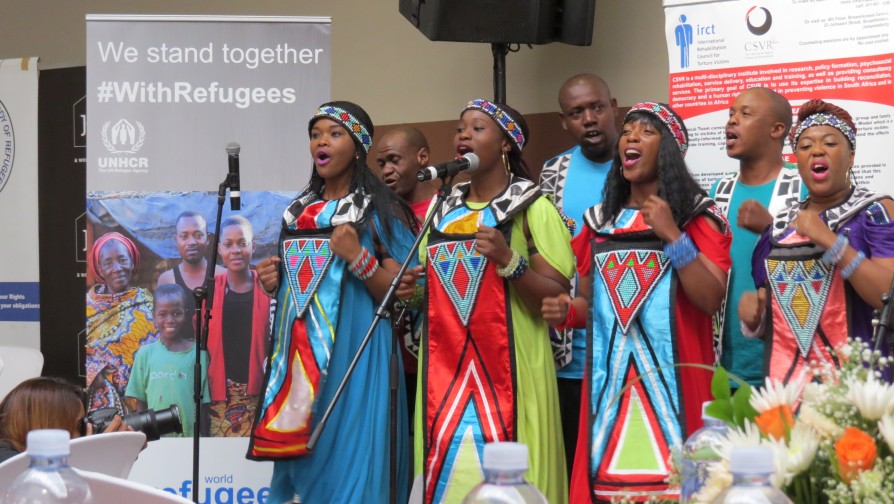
(758, 20)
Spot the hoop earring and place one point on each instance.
(506, 163)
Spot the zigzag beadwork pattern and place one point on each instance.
(306, 261)
(459, 268)
(802, 289)
(630, 277)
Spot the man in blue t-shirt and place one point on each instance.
(758, 126)
(574, 179)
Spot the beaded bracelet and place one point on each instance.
(515, 268)
(362, 258)
(852, 266)
(681, 251)
(836, 251)
(364, 266)
(370, 269)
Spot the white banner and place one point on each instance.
(20, 269)
(165, 96)
(836, 50)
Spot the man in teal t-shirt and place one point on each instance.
(574, 180)
(163, 371)
(758, 125)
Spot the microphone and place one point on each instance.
(469, 162)
(233, 157)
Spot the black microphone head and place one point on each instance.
(472, 158)
(233, 149)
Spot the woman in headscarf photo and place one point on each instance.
(119, 320)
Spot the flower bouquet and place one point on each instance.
(833, 441)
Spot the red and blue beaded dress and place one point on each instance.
(481, 348)
(641, 324)
(322, 314)
(812, 309)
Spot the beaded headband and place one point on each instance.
(824, 119)
(346, 119)
(668, 117)
(506, 122)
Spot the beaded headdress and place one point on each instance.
(501, 117)
(348, 115)
(825, 119)
(667, 116)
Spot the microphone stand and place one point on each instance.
(382, 312)
(204, 297)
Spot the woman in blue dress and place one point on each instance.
(341, 242)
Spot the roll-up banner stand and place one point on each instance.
(165, 96)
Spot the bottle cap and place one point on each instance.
(506, 457)
(49, 442)
(752, 460)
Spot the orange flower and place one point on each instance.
(774, 422)
(856, 452)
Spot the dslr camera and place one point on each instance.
(153, 423)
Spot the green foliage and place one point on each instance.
(733, 408)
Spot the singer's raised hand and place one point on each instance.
(554, 309)
(491, 243)
(344, 242)
(268, 273)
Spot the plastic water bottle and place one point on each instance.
(699, 451)
(49, 479)
(505, 465)
(751, 469)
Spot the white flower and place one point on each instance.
(812, 392)
(719, 478)
(775, 394)
(780, 462)
(802, 445)
(871, 397)
(823, 425)
(886, 427)
(748, 437)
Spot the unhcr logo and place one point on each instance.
(124, 137)
(120, 138)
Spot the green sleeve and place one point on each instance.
(551, 237)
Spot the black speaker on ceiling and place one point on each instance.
(503, 21)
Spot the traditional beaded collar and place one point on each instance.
(506, 122)
(824, 119)
(346, 119)
(668, 117)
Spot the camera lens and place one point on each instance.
(156, 423)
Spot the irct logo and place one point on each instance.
(762, 17)
(124, 138)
